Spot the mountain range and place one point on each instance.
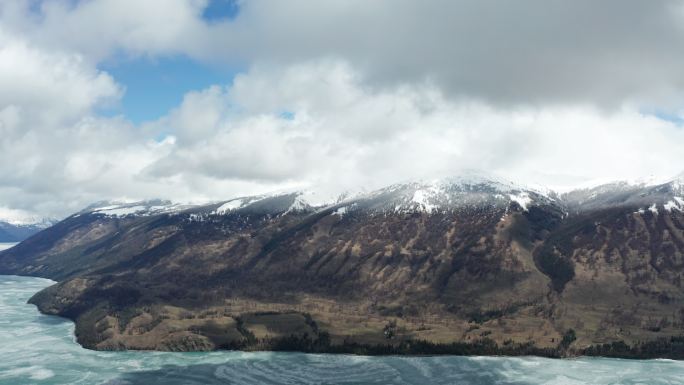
(13, 231)
(466, 265)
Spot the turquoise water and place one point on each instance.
(40, 349)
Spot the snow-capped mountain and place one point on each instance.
(279, 203)
(18, 228)
(644, 196)
(450, 194)
(426, 196)
(432, 196)
(470, 248)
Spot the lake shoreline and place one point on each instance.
(59, 359)
(368, 350)
(672, 349)
(659, 349)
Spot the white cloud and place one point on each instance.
(344, 133)
(338, 94)
(100, 28)
(46, 87)
(48, 128)
(509, 53)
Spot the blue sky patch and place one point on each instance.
(155, 86)
(666, 116)
(221, 10)
(287, 115)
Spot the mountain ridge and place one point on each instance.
(446, 262)
(16, 231)
(471, 179)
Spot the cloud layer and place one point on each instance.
(337, 94)
(343, 130)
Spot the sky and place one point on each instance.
(199, 100)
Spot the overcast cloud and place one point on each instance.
(339, 94)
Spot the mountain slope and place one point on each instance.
(458, 260)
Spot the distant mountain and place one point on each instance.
(468, 265)
(654, 197)
(16, 231)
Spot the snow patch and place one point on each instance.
(523, 199)
(653, 209)
(196, 218)
(106, 208)
(229, 206)
(300, 204)
(422, 198)
(676, 204)
(341, 211)
(144, 208)
(115, 211)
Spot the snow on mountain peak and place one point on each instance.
(300, 203)
(237, 203)
(448, 193)
(676, 204)
(428, 196)
(22, 218)
(230, 205)
(141, 208)
(422, 198)
(678, 183)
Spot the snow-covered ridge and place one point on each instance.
(235, 204)
(431, 196)
(143, 208)
(523, 199)
(300, 203)
(598, 186)
(21, 218)
(652, 196)
(413, 196)
(35, 222)
(676, 204)
(428, 196)
(449, 193)
(472, 181)
(678, 184)
(305, 200)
